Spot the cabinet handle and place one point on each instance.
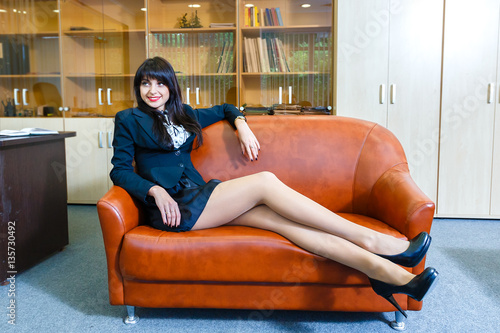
(109, 96)
(187, 95)
(100, 140)
(197, 95)
(382, 94)
(16, 102)
(100, 96)
(393, 94)
(491, 88)
(280, 97)
(25, 97)
(110, 139)
(289, 94)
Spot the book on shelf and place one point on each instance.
(27, 131)
(282, 57)
(5, 62)
(287, 106)
(14, 55)
(274, 16)
(286, 109)
(251, 55)
(246, 56)
(264, 54)
(251, 16)
(256, 110)
(259, 109)
(225, 62)
(255, 17)
(229, 59)
(278, 16)
(256, 56)
(277, 61)
(286, 112)
(222, 25)
(264, 58)
(319, 110)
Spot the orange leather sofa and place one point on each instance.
(355, 168)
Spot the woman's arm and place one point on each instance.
(169, 209)
(209, 116)
(123, 173)
(249, 143)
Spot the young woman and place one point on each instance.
(159, 136)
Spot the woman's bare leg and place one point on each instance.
(325, 245)
(232, 198)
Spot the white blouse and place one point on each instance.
(177, 132)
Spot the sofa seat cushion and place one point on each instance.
(233, 254)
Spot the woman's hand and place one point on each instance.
(249, 143)
(170, 213)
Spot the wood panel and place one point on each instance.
(87, 160)
(495, 183)
(415, 75)
(17, 123)
(467, 119)
(362, 59)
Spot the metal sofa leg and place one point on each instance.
(399, 323)
(131, 318)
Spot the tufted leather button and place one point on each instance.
(181, 165)
(177, 153)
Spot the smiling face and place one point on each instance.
(154, 93)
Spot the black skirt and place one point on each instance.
(191, 199)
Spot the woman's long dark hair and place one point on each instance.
(159, 69)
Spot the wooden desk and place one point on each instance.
(33, 201)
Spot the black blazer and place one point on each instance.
(155, 163)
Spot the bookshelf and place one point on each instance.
(286, 58)
(87, 52)
(214, 63)
(202, 48)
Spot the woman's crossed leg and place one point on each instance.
(263, 201)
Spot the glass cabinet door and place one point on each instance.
(103, 44)
(125, 50)
(30, 80)
(287, 56)
(83, 57)
(199, 40)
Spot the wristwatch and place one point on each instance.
(242, 118)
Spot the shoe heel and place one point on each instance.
(391, 300)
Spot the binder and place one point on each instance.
(4, 50)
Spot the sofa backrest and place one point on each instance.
(333, 160)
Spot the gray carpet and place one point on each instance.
(67, 292)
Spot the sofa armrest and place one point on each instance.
(396, 200)
(118, 214)
(399, 202)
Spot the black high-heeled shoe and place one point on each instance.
(415, 252)
(417, 288)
